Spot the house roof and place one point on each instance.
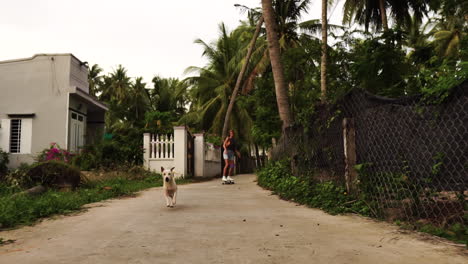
(43, 54)
(88, 98)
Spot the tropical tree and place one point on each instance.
(94, 79)
(138, 100)
(169, 95)
(213, 85)
(240, 76)
(450, 27)
(276, 65)
(374, 12)
(323, 72)
(116, 86)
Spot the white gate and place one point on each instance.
(161, 146)
(166, 150)
(171, 150)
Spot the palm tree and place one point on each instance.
(451, 26)
(116, 86)
(277, 68)
(365, 13)
(94, 79)
(138, 99)
(323, 67)
(126, 100)
(213, 85)
(240, 76)
(287, 15)
(374, 12)
(169, 95)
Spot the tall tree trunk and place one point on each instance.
(257, 154)
(383, 14)
(323, 66)
(239, 78)
(281, 89)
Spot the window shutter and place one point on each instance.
(26, 135)
(5, 135)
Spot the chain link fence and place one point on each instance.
(407, 158)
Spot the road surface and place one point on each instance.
(214, 223)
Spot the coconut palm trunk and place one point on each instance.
(383, 14)
(323, 66)
(239, 78)
(277, 68)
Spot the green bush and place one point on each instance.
(18, 178)
(124, 148)
(332, 198)
(3, 163)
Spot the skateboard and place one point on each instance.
(228, 182)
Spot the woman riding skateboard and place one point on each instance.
(230, 147)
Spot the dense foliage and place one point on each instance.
(276, 176)
(4, 159)
(421, 48)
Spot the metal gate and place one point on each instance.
(190, 155)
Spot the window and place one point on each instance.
(15, 136)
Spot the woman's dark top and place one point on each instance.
(233, 144)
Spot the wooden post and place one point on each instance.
(349, 143)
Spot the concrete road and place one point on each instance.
(214, 223)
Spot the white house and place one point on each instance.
(45, 99)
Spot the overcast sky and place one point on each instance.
(148, 37)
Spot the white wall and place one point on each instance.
(212, 160)
(207, 158)
(78, 75)
(38, 85)
(199, 153)
(155, 165)
(212, 168)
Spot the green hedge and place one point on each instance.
(332, 198)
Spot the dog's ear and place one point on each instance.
(172, 169)
(162, 169)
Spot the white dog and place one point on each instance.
(169, 186)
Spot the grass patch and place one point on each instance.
(25, 210)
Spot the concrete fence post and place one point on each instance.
(146, 150)
(180, 150)
(349, 143)
(199, 153)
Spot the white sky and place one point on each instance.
(148, 37)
